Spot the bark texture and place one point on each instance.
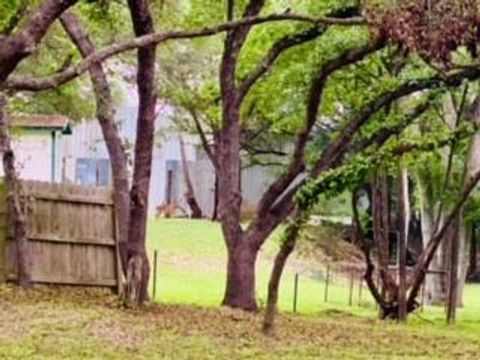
(286, 248)
(147, 98)
(105, 115)
(403, 224)
(17, 209)
(459, 242)
(21, 44)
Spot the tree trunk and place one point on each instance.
(286, 248)
(434, 290)
(111, 135)
(215, 199)
(463, 260)
(196, 211)
(17, 211)
(472, 262)
(240, 287)
(459, 243)
(404, 220)
(137, 259)
(380, 210)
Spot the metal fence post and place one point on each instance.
(155, 257)
(295, 292)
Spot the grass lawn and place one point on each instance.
(186, 322)
(192, 265)
(79, 324)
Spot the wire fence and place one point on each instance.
(345, 288)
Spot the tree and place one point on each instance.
(20, 45)
(17, 209)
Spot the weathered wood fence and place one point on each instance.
(72, 235)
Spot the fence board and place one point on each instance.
(72, 235)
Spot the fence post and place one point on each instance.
(327, 280)
(295, 293)
(350, 299)
(155, 256)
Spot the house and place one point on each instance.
(85, 161)
(51, 148)
(37, 144)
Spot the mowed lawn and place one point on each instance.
(187, 323)
(49, 323)
(192, 267)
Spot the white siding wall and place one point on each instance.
(87, 142)
(33, 154)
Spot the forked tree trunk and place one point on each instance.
(16, 209)
(196, 211)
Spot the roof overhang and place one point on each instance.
(42, 122)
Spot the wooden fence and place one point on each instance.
(72, 235)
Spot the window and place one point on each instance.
(91, 171)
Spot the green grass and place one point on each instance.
(192, 265)
(50, 323)
(79, 324)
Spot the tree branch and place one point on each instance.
(297, 164)
(16, 47)
(203, 138)
(39, 84)
(381, 136)
(336, 149)
(275, 51)
(420, 270)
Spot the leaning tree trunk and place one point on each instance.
(138, 268)
(111, 135)
(196, 211)
(459, 240)
(16, 209)
(286, 248)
